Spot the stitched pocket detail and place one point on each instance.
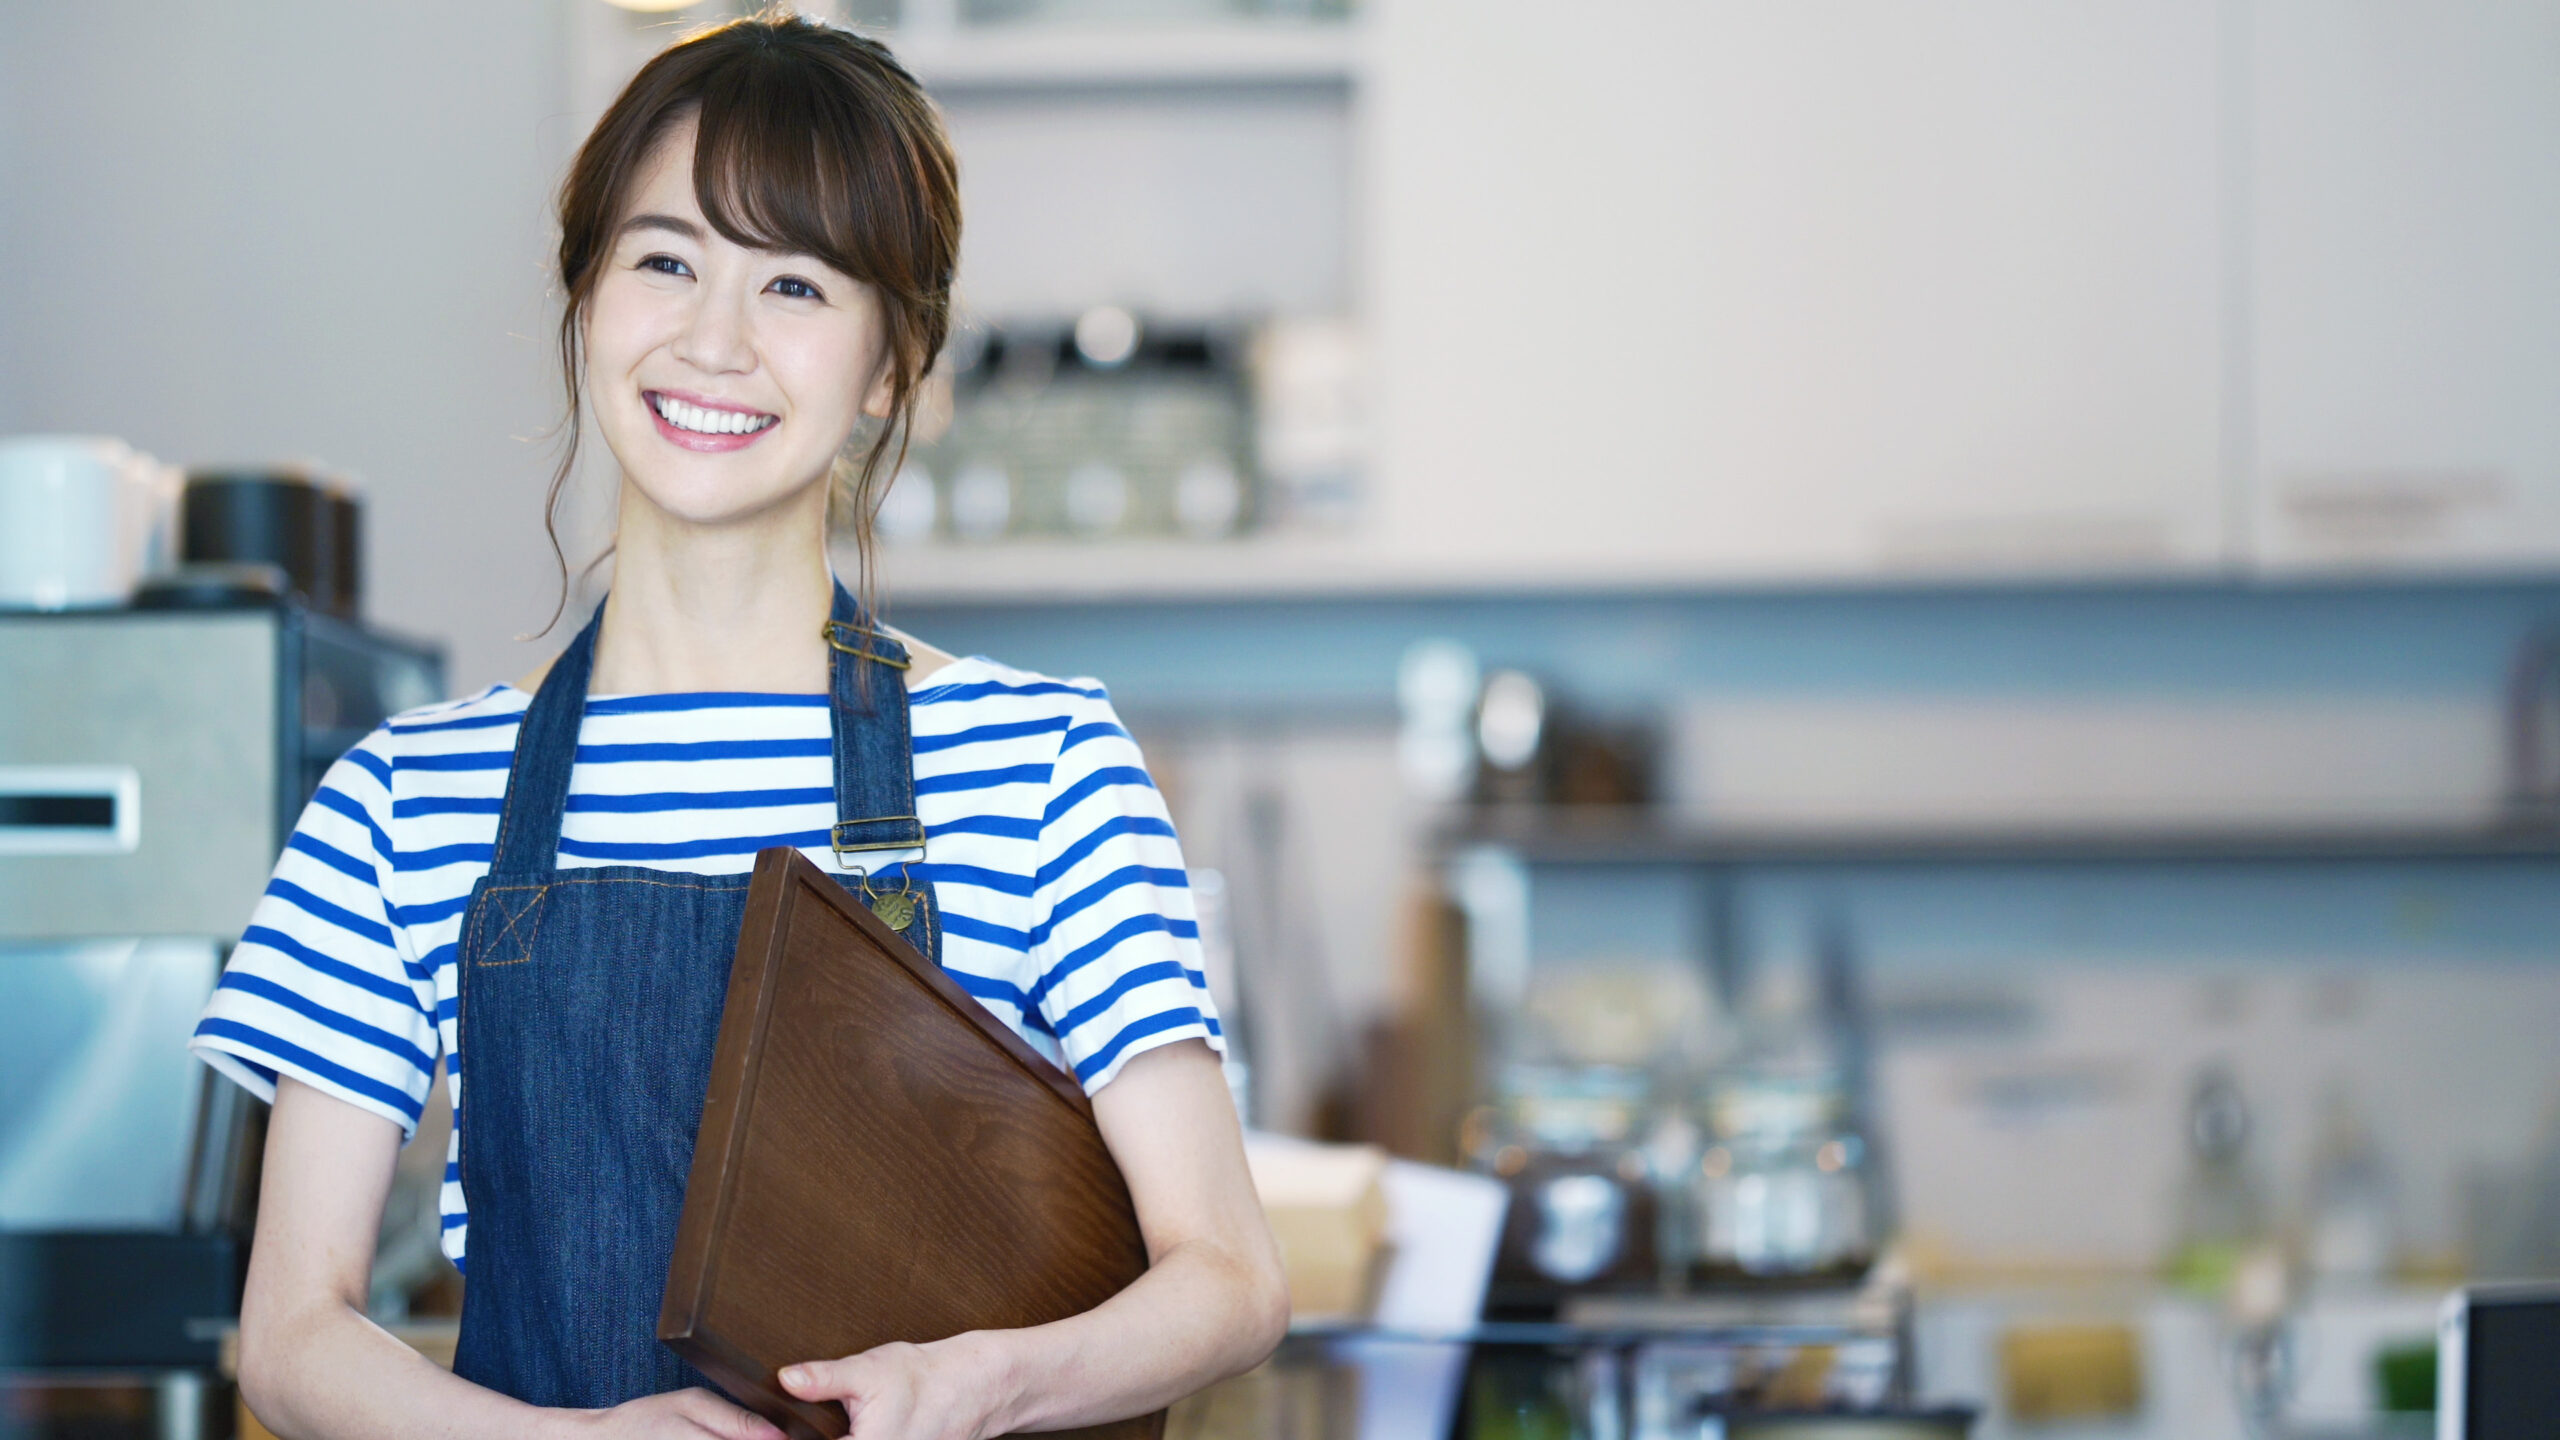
(517, 910)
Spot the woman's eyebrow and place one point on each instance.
(674, 223)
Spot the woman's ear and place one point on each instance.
(882, 398)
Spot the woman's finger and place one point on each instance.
(826, 1379)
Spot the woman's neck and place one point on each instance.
(730, 607)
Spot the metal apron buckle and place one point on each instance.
(835, 632)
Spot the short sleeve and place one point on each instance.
(1116, 946)
(318, 987)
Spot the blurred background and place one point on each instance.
(1865, 694)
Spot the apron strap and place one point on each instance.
(874, 752)
(528, 846)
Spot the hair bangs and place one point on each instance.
(786, 160)
(758, 173)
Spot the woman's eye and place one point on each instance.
(796, 288)
(665, 265)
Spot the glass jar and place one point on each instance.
(1780, 1192)
(1583, 1212)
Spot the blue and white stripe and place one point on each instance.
(1065, 909)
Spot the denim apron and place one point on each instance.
(589, 1004)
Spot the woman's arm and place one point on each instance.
(1212, 1303)
(312, 1365)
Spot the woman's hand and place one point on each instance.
(694, 1414)
(902, 1391)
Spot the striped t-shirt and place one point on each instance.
(1064, 905)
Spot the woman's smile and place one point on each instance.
(697, 422)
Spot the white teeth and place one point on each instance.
(707, 422)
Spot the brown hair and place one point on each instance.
(808, 139)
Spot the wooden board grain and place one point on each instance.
(880, 1159)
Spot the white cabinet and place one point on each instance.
(1733, 291)
(1819, 289)
(2405, 196)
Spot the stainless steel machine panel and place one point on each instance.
(98, 1095)
(185, 704)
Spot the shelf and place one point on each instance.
(1611, 836)
(1801, 1317)
(1100, 56)
(1315, 566)
(1550, 1335)
(1303, 566)
(1253, 567)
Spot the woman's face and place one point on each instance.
(725, 379)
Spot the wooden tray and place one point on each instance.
(880, 1159)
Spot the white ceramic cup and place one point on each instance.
(82, 518)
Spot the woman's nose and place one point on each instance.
(714, 337)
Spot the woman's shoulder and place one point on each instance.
(494, 707)
(444, 727)
(975, 682)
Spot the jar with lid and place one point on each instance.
(1780, 1193)
(1567, 1140)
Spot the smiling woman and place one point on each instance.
(826, 173)
(541, 885)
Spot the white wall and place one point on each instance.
(1183, 203)
(1735, 291)
(301, 230)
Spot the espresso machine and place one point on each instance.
(152, 763)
